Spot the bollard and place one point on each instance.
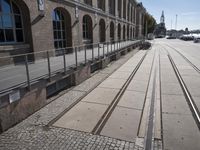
(49, 67)
(27, 73)
(64, 61)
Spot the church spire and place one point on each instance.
(162, 18)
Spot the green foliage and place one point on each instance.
(151, 23)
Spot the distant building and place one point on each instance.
(160, 30)
(38, 25)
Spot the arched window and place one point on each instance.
(119, 32)
(59, 29)
(11, 26)
(124, 32)
(128, 31)
(87, 29)
(112, 31)
(102, 30)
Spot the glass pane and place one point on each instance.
(56, 44)
(18, 23)
(6, 6)
(64, 44)
(63, 25)
(7, 21)
(64, 36)
(59, 35)
(15, 9)
(60, 44)
(9, 35)
(2, 38)
(19, 35)
(55, 35)
(1, 22)
(58, 25)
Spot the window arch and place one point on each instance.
(112, 31)
(128, 31)
(102, 31)
(124, 32)
(61, 28)
(87, 29)
(11, 25)
(119, 32)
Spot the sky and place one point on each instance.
(187, 11)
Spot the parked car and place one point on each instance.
(197, 40)
(150, 36)
(171, 37)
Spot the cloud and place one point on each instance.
(190, 13)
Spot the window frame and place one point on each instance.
(13, 28)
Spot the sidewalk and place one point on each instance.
(32, 133)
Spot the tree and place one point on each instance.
(150, 23)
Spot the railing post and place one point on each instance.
(103, 51)
(64, 61)
(92, 52)
(85, 54)
(107, 47)
(76, 57)
(27, 73)
(49, 67)
(98, 51)
(114, 46)
(111, 46)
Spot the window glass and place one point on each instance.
(9, 35)
(19, 35)
(10, 22)
(6, 7)
(7, 21)
(18, 23)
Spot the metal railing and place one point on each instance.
(31, 67)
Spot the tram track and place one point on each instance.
(101, 123)
(185, 58)
(193, 107)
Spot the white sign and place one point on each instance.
(14, 96)
(41, 5)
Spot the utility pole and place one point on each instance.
(171, 24)
(176, 24)
(176, 21)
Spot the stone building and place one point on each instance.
(40, 25)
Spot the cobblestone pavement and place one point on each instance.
(33, 133)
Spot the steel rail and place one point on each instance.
(101, 123)
(194, 66)
(190, 101)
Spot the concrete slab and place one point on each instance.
(132, 99)
(120, 75)
(101, 95)
(123, 124)
(197, 101)
(175, 104)
(83, 117)
(127, 69)
(140, 86)
(141, 77)
(180, 132)
(171, 89)
(112, 83)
